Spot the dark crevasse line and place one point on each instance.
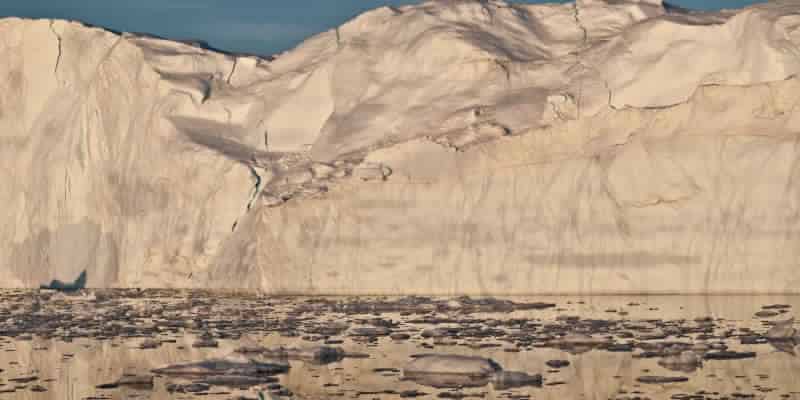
(58, 37)
(256, 188)
(256, 191)
(233, 70)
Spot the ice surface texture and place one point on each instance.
(449, 147)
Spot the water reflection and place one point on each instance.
(125, 344)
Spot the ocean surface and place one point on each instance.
(160, 344)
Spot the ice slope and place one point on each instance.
(447, 147)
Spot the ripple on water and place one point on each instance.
(153, 344)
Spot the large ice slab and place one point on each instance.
(446, 147)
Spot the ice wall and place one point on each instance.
(477, 147)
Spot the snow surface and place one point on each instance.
(455, 146)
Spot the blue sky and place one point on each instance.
(250, 26)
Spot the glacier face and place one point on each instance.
(476, 147)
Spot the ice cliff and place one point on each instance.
(477, 147)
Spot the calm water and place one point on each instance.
(57, 346)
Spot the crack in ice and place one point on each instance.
(58, 37)
(233, 70)
(256, 191)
